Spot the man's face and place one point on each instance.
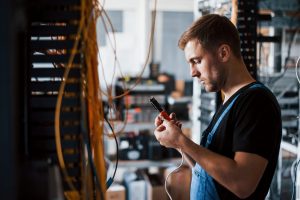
(204, 66)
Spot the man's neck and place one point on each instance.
(237, 78)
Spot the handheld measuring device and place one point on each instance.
(158, 107)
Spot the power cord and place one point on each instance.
(111, 179)
(294, 176)
(173, 171)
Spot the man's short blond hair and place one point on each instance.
(211, 31)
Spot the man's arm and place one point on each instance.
(190, 162)
(240, 175)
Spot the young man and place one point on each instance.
(239, 149)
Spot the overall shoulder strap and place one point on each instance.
(216, 125)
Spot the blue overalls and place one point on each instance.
(202, 185)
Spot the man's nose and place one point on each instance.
(194, 72)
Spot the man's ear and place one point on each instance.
(224, 53)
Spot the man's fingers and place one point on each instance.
(160, 128)
(179, 124)
(158, 121)
(173, 116)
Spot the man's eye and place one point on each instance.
(197, 61)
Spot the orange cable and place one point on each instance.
(58, 107)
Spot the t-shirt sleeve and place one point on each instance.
(258, 124)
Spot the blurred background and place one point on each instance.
(77, 76)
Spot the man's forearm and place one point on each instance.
(188, 160)
(240, 176)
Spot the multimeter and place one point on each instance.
(158, 107)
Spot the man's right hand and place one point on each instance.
(159, 120)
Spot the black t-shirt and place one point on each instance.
(252, 125)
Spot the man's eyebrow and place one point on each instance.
(195, 57)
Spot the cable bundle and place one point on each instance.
(92, 151)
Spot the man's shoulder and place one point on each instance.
(260, 100)
(258, 94)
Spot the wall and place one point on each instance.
(133, 41)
